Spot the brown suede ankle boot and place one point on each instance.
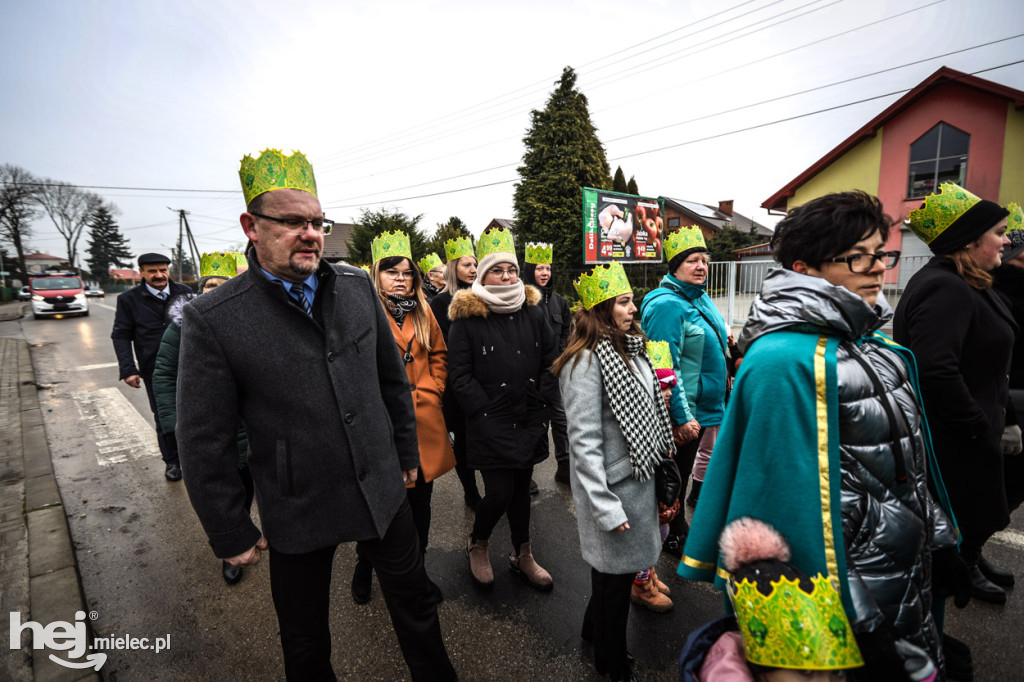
(526, 567)
(646, 594)
(662, 587)
(480, 562)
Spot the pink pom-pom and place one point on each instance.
(747, 540)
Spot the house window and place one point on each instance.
(938, 156)
(673, 222)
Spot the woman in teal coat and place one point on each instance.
(681, 313)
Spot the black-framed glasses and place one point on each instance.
(863, 262)
(298, 225)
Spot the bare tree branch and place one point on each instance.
(70, 209)
(18, 208)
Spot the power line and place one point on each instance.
(684, 143)
(711, 115)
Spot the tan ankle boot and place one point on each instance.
(646, 594)
(480, 562)
(528, 569)
(662, 587)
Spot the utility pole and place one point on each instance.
(184, 229)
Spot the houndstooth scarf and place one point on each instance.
(634, 407)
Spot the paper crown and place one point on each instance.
(495, 240)
(939, 211)
(273, 170)
(688, 237)
(365, 268)
(603, 282)
(390, 244)
(790, 628)
(218, 264)
(660, 355)
(1014, 221)
(539, 254)
(429, 262)
(457, 248)
(240, 260)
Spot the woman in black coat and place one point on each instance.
(542, 276)
(500, 350)
(459, 273)
(962, 335)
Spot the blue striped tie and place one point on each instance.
(299, 292)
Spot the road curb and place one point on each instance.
(55, 585)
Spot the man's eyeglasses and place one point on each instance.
(860, 263)
(395, 274)
(499, 272)
(298, 225)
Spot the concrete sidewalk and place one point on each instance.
(39, 575)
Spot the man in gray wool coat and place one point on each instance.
(301, 350)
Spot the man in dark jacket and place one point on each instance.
(139, 324)
(302, 352)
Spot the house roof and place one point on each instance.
(42, 256)
(124, 274)
(503, 223)
(336, 243)
(777, 201)
(712, 217)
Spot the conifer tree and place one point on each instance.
(619, 181)
(563, 154)
(107, 247)
(372, 223)
(631, 187)
(452, 229)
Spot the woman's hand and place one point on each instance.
(623, 528)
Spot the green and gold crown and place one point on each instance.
(240, 260)
(429, 262)
(790, 628)
(495, 240)
(273, 170)
(218, 265)
(660, 355)
(1014, 221)
(539, 254)
(688, 237)
(390, 244)
(365, 268)
(603, 282)
(457, 248)
(939, 211)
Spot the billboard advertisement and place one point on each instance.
(622, 227)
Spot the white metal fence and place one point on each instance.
(732, 285)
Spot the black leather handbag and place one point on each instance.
(668, 482)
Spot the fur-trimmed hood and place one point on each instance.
(466, 304)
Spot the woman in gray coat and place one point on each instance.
(619, 430)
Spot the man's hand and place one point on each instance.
(409, 476)
(250, 557)
(622, 529)
(134, 380)
(684, 433)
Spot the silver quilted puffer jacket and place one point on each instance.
(891, 523)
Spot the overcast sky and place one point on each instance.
(395, 101)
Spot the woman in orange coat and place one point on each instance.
(399, 284)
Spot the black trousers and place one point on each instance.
(506, 491)
(455, 423)
(419, 501)
(604, 622)
(559, 434)
(168, 446)
(301, 583)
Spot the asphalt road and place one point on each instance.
(148, 571)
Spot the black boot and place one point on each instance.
(562, 472)
(232, 574)
(999, 576)
(362, 584)
(959, 665)
(984, 590)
